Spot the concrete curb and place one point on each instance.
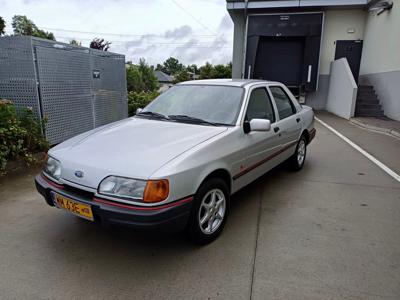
(389, 131)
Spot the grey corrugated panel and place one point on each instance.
(66, 95)
(17, 73)
(110, 88)
(70, 98)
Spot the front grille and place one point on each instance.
(73, 191)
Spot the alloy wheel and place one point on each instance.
(212, 211)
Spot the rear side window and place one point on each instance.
(285, 106)
(260, 106)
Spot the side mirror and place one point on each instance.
(139, 110)
(260, 125)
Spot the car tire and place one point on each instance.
(209, 212)
(299, 157)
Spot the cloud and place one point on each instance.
(226, 23)
(179, 32)
(152, 29)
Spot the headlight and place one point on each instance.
(122, 187)
(147, 191)
(53, 168)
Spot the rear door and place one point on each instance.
(289, 124)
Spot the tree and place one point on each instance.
(182, 76)
(221, 71)
(148, 76)
(193, 68)
(23, 26)
(171, 66)
(134, 80)
(44, 35)
(141, 77)
(206, 71)
(75, 42)
(100, 44)
(2, 26)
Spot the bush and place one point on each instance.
(20, 136)
(139, 100)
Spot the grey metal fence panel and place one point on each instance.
(65, 91)
(57, 81)
(17, 73)
(110, 102)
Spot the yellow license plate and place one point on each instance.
(79, 209)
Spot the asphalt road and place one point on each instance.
(331, 231)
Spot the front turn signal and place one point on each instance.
(156, 191)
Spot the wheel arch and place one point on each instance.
(306, 135)
(221, 173)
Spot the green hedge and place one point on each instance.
(20, 136)
(139, 100)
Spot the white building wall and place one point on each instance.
(380, 63)
(342, 90)
(381, 50)
(238, 43)
(339, 25)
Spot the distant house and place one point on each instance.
(193, 76)
(165, 81)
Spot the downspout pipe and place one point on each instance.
(246, 3)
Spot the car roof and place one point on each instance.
(226, 82)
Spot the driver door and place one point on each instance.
(258, 148)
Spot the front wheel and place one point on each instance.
(210, 211)
(299, 156)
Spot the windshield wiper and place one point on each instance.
(153, 114)
(190, 119)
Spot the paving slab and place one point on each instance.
(384, 147)
(383, 125)
(329, 232)
(46, 253)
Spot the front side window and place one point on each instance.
(211, 103)
(283, 103)
(260, 106)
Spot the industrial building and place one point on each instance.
(74, 88)
(302, 42)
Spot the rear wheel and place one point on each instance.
(210, 211)
(299, 156)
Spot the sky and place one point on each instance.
(193, 31)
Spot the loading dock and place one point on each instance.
(284, 47)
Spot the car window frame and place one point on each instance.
(292, 104)
(269, 99)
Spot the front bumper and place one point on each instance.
(172, 216)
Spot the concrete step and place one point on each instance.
(367, 101)
(367, 115)
(366, 94)
(364, 112)
(362, 105)
(365, 87)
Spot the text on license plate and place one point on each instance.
(80, 209)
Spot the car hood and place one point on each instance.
(134, 147)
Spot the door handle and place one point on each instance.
(276, 129)
(298, 120)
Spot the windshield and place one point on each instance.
(214, 104)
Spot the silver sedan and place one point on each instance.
(177, 162)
